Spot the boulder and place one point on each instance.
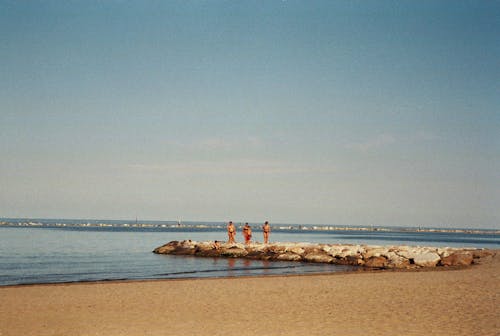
(360, 249)
(457, 259)
(353, 260)
(187, 243)
(255, 253)
(350, 251)
(289, 257)
(318, 257)
(313, 249)
(427, 259)
(233, 252)
(375, 252)
(167, 248)
(276, 249)
(296, 250)
(208, 253)
(376, 262)
(185, 247)
(444, 252)
(397, 261)
(334, 250)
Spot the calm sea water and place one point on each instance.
(53, 255)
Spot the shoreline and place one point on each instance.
(448, 301)
(180, 249)
(360, 270)
(222, 227)
(354, 270)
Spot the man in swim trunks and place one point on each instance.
(231, 232)
(266, 229)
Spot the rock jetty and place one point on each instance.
(378, 257)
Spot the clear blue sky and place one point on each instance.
(324, 112)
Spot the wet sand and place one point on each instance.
(449, 302)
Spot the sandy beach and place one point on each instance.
(449, 302)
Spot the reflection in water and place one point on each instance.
(240, 267)
(246, 265)
(265, 266)
(230, 266)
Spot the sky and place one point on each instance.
(304, 112)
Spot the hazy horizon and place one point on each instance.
(380, 113)
(187, 222)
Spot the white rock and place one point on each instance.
(320, 258)
(375, 252)
(297, 250)
(427, 259)
(360, 249)
(289, 257)
(335, 250)
(396, 260)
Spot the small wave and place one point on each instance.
(231, 269)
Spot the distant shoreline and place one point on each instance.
(58, 223)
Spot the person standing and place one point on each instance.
(231, 232)
(247, 233)
(266, 229)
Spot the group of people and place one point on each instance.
(247, 232)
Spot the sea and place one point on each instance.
(64, 251)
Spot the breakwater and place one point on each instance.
(398, 257)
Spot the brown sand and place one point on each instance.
(454, 302)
